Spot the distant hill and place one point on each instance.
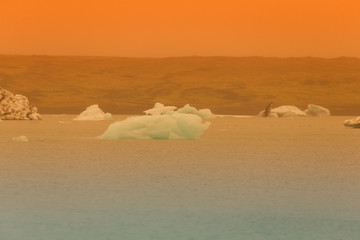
(226, 85)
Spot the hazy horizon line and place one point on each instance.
(182, 56)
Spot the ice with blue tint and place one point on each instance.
(166, 126)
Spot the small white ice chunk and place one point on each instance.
(285, 111)
(288, 111)
(317, 111)
(93, 113)
(166, 126)
(354, 123)
(20, 139)
(293, 111)
(203, 113)
(160, 109)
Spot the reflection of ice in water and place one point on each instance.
(20, 139)
(64, 122)
(234, 116)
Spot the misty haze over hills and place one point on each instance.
(226, 85)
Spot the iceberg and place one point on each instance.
(160, 109)
(166, 126)
(288, 111)
(203, 113)
(293, 111)
(161, 122)
(93, 113)
(317, 111)
(354, 123)
(16, 107)
(285, 111)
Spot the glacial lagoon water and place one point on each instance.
(246, 178)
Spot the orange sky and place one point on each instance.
(162, 28)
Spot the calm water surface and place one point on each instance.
(246, 178)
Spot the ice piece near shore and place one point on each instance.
(20, 139)
(203, 113)
(354, 123)
(93, 113)
(317, 111)
(166, 126)
(160, 109)
(16, 107)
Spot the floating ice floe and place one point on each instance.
(20, 139)
(161, 109)
(16, 107)
(354, 123)
(166, 126)
(161, 122)
(293, 111)
(288, 111)
(317, 111)
(93, 113)
(203, 113)
(285, 111)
